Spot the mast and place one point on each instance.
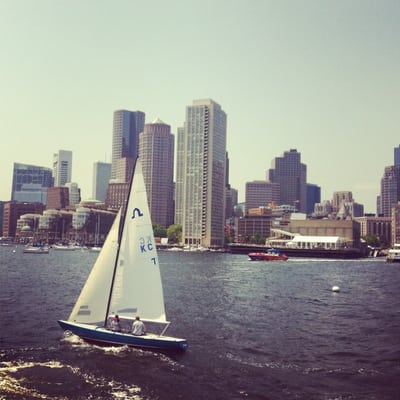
(121, 229)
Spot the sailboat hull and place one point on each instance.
(106, 337)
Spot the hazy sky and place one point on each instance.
(322, 77)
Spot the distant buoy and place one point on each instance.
(335, 289)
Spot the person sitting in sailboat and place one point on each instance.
(138, 327)
(116, 324)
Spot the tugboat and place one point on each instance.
(269, 255)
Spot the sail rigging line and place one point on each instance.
(121, 229)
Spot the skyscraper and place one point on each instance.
(74, 194)
(291, 174)
(125, 143)
(180, 172)
(156, 151)
(313, 197)
(101, 178)
(390, 189)
(26, 176)
(397, 155)
(341, 197)
(261, 194)
(62, 167)
(201, 175)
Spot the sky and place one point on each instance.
(322, 77)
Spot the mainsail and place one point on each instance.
(127, 271)
(137, 286)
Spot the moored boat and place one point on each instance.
(394, 254)
(36, 249)
(64, 247)
(269, 255)
(95, 249)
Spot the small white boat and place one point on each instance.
(65, 247)
(95, 249)
(36, 249)
(394, 254)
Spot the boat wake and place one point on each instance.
(54, 380)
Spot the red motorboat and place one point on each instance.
(269, 255)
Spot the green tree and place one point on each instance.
(372, 240)
(258, 239)
(174, 233)
(159, 231)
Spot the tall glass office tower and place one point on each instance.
(101, 178)
(201, 175)
(127, 126)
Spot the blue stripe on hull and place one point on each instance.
(103, 336)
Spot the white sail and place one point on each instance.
(137, 286)
(91, 305)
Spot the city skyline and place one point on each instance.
(320, 77)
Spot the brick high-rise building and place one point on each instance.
(57, 198)
(156, 152)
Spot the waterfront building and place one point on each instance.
(62, 167)
(57, 198)
(348, 230)
(117, 193)
(26, 175)
(395, 225)
(54, 226)
(156, 151)
(202, 175)
(390, 189)
(261, 194)
(27, 225)
(291, 175)
(255, 225)
(90, 226)
(380, 227)
(101, 178)
(125, 142)
(13, 210)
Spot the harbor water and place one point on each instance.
(256, 330)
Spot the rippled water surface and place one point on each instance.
(256, 330)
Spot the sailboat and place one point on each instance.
(96, 248)
(125, 281)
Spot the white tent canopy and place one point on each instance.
(316, 242)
